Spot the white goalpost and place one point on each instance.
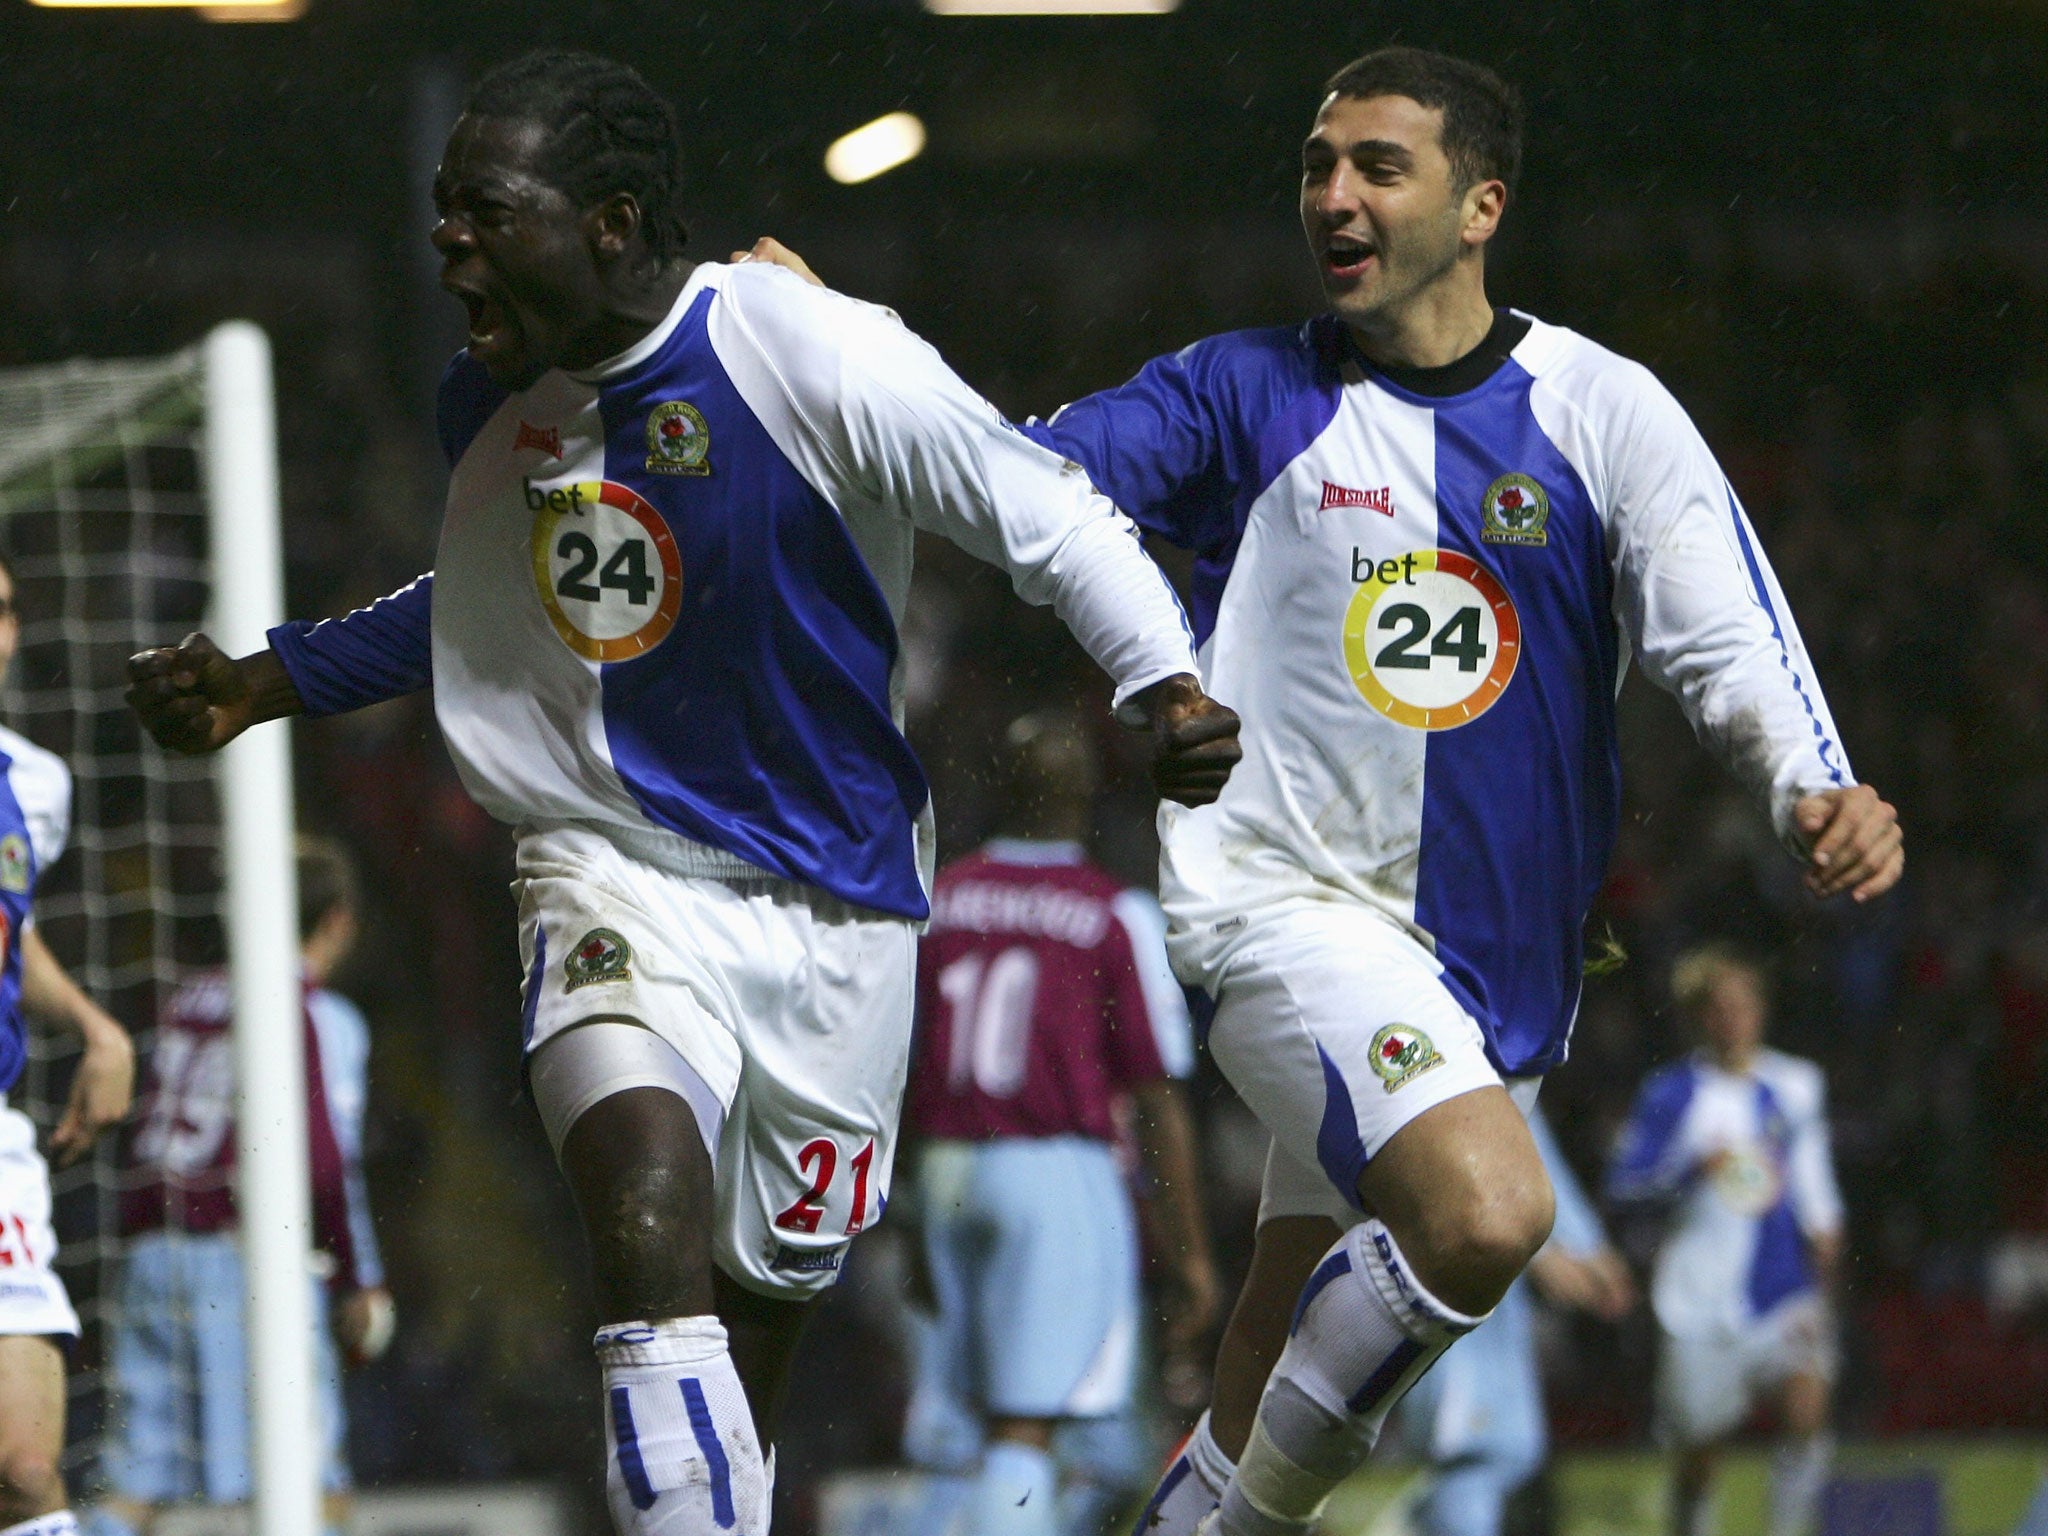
(139, 500)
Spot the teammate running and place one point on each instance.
(1734, 1142)
(662, 637)
(35, 1312)
(1043, 996)
(1429, 535)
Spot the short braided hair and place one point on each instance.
(608, 131)
(1482, 127)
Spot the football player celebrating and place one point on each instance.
(35, 1312)
(1429, 534)
(662, 637)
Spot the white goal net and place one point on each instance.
(117, 479)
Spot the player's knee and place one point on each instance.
(1480, 1233)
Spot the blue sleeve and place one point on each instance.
(1577, 1229)
(1178, 447)
(366, 657)
(1646, 1164)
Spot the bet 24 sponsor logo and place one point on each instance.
(1431, 638)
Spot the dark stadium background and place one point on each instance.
(1824, 224)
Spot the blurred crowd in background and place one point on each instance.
(1873, 373)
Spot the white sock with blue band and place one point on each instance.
(683, 1457)
(1364, 1331)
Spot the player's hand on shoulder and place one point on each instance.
(1194, 739)
(772, 251)
(191, 696)
(1854, 842)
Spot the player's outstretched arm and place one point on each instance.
(104, 1085)
(1167, 1142)
(1194, 739)
(1856, 844)
(194, 698)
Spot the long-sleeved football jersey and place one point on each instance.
(1743, 1160)
(1421, 602)
(667, 590)
(35, 821)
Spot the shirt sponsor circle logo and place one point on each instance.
(1431, 637)
(1401, 1052)
(14, 862)
(606, 567)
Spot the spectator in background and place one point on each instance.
(1734, 1140)
(1478, 1418)
(1043, 997)
(181, 1418)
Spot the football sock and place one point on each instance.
(683, 1457)
(1799, 1471)
(1693, 1514)
(1364, 1331)
(56, 1523)
(1016, 1493)
(1192, 1486)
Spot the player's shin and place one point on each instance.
(1191, 1487)
(1016, 1493)
(683, 1458)
(1364, 1331)
(1799, 1471)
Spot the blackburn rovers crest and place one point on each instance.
(1516, 511)
(1400, 1052)
(601, 955)
(13, 862)
(678, 441)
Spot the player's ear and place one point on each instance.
(610, 226)
(1484, 202)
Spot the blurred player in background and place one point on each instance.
(1478, 1418)
(1043, 997)
(178, 1357)
(37, 1323)
(662, 637)
(1734, 1141)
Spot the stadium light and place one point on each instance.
(1051, 7)
(209, 10)
(875, 147)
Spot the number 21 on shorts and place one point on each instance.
(819, 1162)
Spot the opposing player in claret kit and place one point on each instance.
(37, 1323)
(1043, 998)
(661, 633)
(1429, 535)
(1731, 1145)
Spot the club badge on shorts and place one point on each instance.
(678, 441)
(13, 862)
(599, 956)
(1516, 511)
(1400, 1052)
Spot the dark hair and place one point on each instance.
(608, 131)
(327, 880)
(1482, 132)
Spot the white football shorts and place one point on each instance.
(792, 1006)
(32, 1298)
(1708, 1384)
(1334, 1026)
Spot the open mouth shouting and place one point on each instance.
(487, 317)
(1347, 256)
